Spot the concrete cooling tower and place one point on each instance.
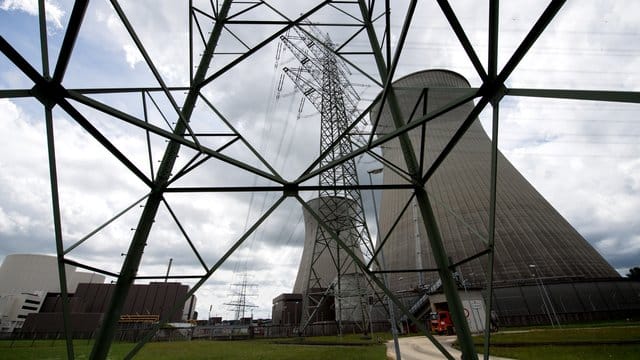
(321, 255)
(329, 280)
(533, 242)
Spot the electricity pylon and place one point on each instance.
(322, 78)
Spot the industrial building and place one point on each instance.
(31, 304)
(25, 281)
(544, 269)
(146, 304)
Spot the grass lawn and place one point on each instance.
(581, 352)
(602, 342)
(204, 349)
(613, 341)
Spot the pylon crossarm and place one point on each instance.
(15, 93)
(591, 95)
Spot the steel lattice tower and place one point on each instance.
(211, 26)
(323, 80)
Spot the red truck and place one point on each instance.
(441, 323)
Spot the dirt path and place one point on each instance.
(420, 348)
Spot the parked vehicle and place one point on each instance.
(441, 323)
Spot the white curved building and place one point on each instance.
(33, 272)
(25, 281)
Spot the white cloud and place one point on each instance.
(132, 55)
(53, 10)
(159, 27)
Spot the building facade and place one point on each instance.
(31, 304)
(25, 282)
(14, 309)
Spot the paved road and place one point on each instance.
(420, 348)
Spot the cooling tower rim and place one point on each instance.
(458, 75)
(329, 196)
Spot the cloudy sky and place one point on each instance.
(582, 156)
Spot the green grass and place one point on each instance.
(570, 342)
(583, 352)
(580, 325)
(243, 349)
(603, 341)
(567, 335)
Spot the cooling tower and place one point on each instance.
(321, 255)
(531, 237)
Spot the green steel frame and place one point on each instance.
(48, 89)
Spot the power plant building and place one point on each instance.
(541, 261)
(25, 281)
(31, 303)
